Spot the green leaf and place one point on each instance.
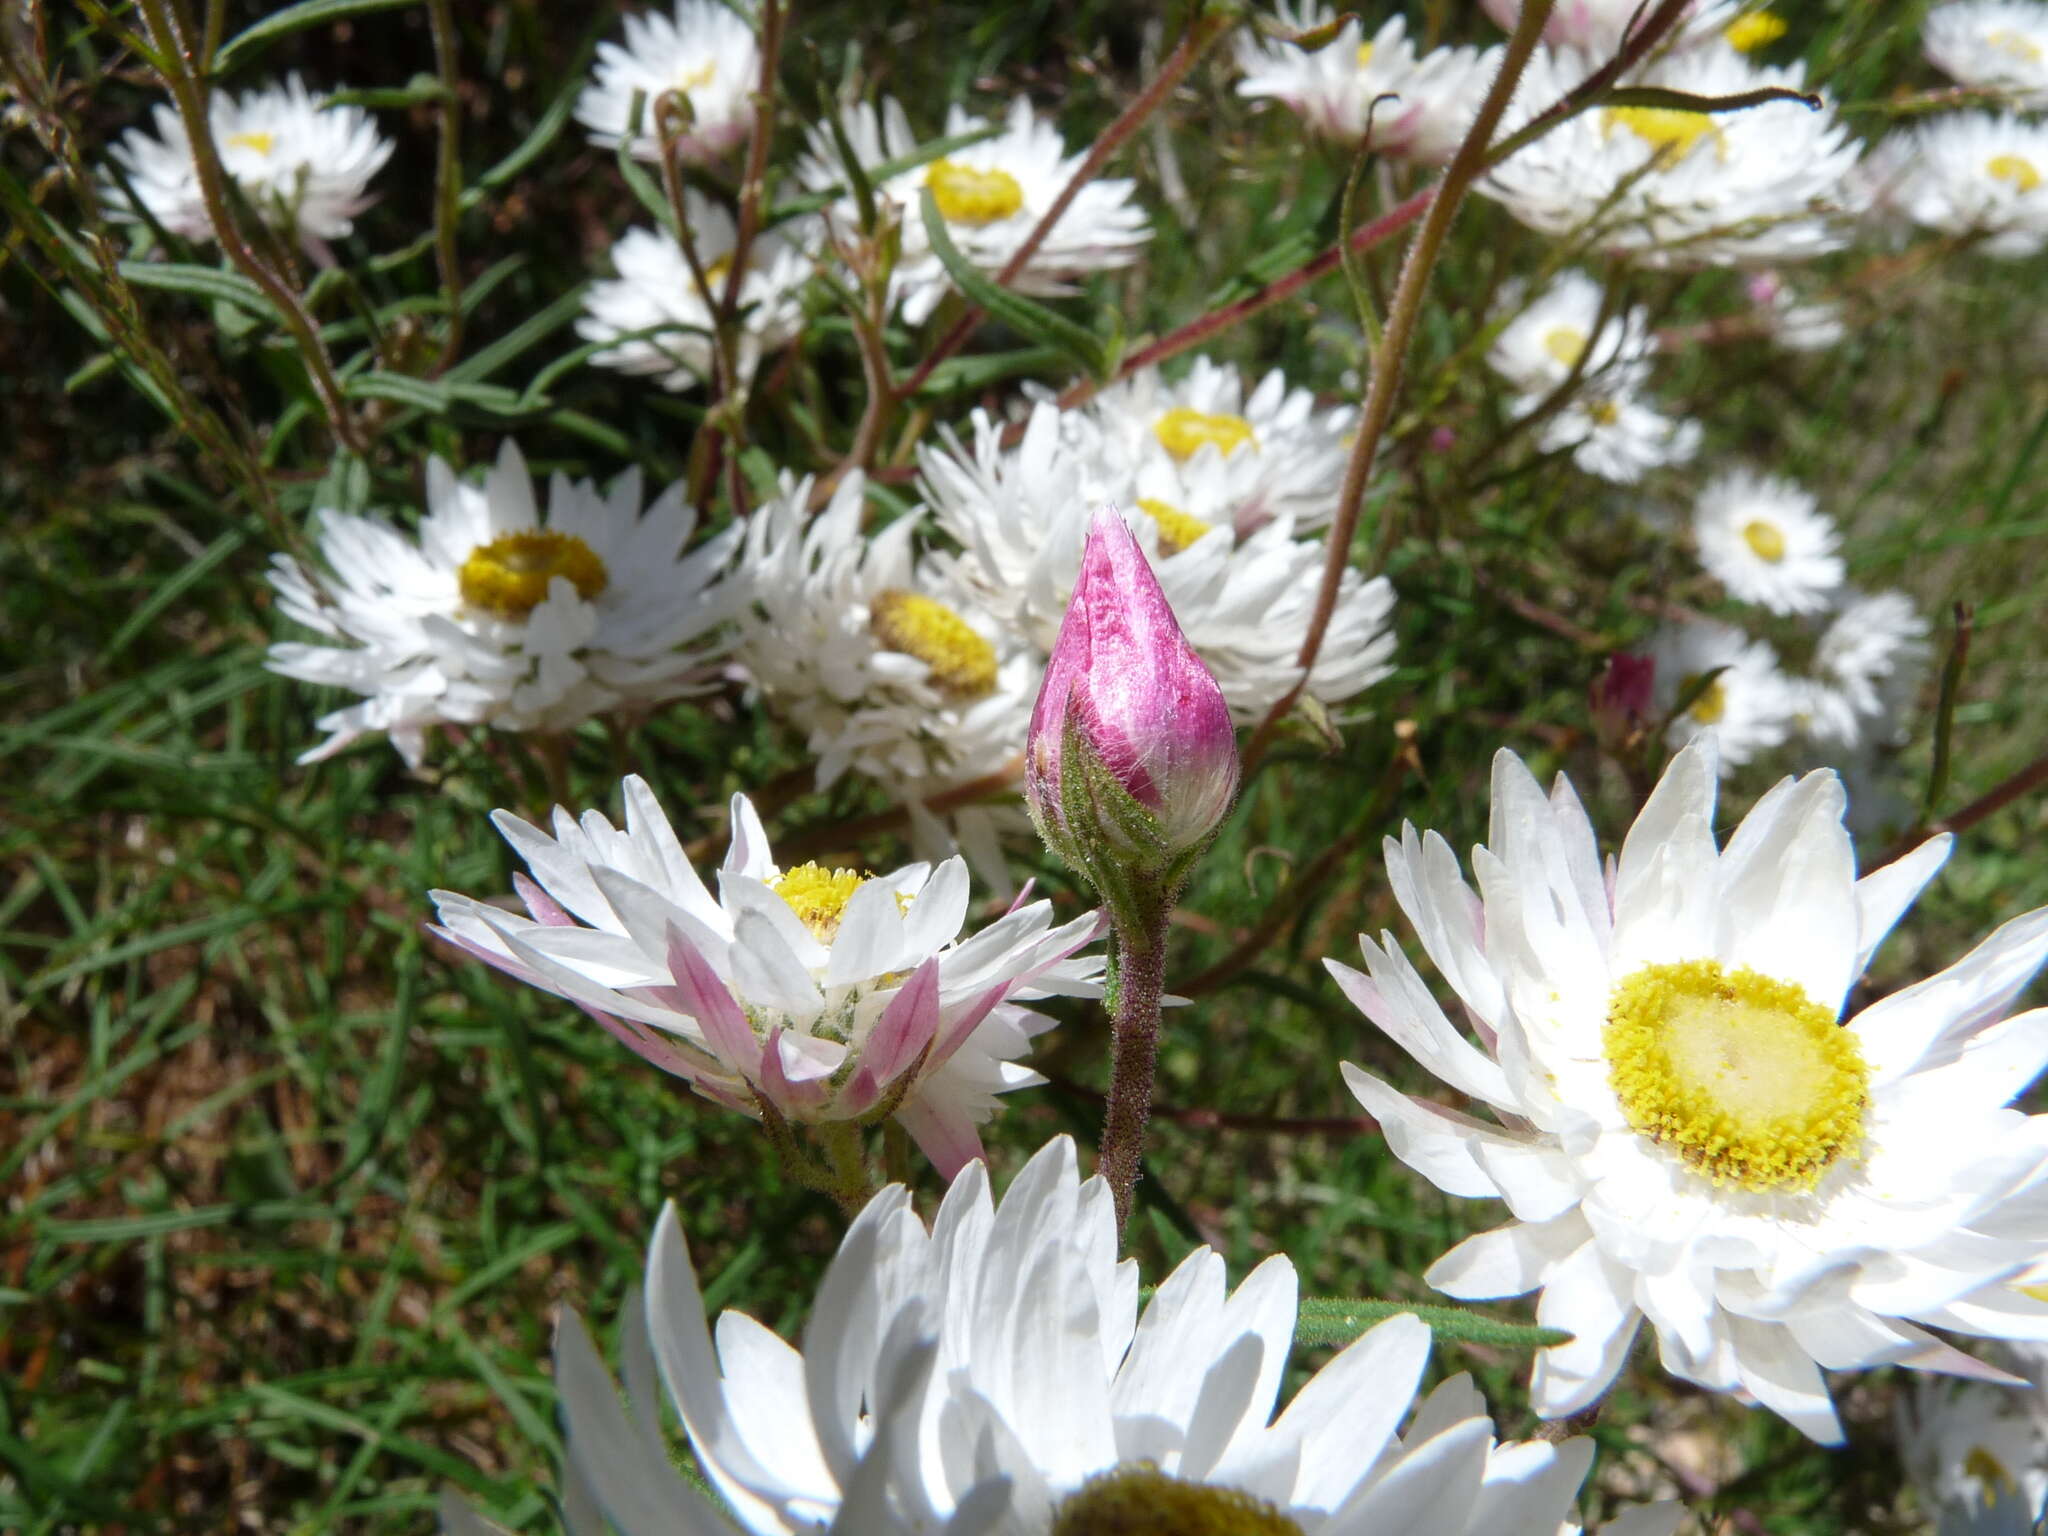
(209, 283)
(415, 92)
(1029, 319)
(1685, 101)
(1337, 1320)
(975, 373)
(295, 18)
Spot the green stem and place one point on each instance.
(846, 1162)
(1140, 977)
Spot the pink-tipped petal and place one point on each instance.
(545, 908)
(905, 1028)
(697, 990)
(945, 1135)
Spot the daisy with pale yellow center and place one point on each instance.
(493, 616)
(1969, 174)
(1767, 542)
(990, 194)
(1685, 1129)
(1711, 677)
(1992, 45)
(702, 66)
(811, 993)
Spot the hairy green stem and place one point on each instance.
(448, 174)
(1140, 978)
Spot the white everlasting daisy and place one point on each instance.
(1677, 188)
(991, 195)
(1338, 87)
(1767, 542)
(1794, 323)
(493, 615)
(1992, 45)
(1687, 1131)
(1866, 669)
(1562, 329)
(1976, 1455)
(1749, 706)
(1969, 173)
(1611, 433)
(1040, 1402)
(828, 994)
(708, 55)
(659, 319)
(1599, 26)
(303, 167)
(1021, 517)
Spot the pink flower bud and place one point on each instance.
(1620, 698)
(1125, 687)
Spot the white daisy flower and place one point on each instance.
(825, 993)
(708, 55)
(656, 292)
(1611, 433)
(1562, 329)
(991, 195)
(1047, 1403)
(1866, 670)
(1748, 707)
(1767, 542)
(1687, 1131)
(1976, 1455)
(303, 167)
(1677, 188)
(1599, 26)
(1334, 87)
(1796, 324)
(1992, 45)
(1021, 518)
(1968, 173)
(492, 615)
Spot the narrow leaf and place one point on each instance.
(295, 18)
(1032, 320)
(1337, 1320)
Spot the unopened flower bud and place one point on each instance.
(1132, 760)
(1619, 699)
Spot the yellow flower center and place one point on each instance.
(1745, 1077)
(1990, 1474)
(963, 663)
(1566, 344)
(510, 576)
(2039, 1291)
(1177, 529)
(715, 275)
(1711, 705)
(1765, 540)
(2018, 46)
(690, 79)
(818, 896)
(1183, 430)
(1139, 1500)
(968, 196)
(1364, 54)
(2016, 169)
(1670, 131)
(262, 143)
(1759, 29)
(1605, 413)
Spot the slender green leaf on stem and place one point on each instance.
(1028, 319)
(1684, 101)
(1945, 712)
(295, 18)
(417, 91)
(209, 283)
(1337, 1320)
(968, 374)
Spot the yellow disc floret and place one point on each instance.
(262, 143)
(963, 662)
(1603, 413)
(1177, 529)
(1745, 1077)
(1139, 1500)
(693, 79)
(1566, 344)
(1669, 130)
(2016, 169)
(1759, 29)
(1766, 540)
(1183, 430)
(1712, 703)
(1990, 1474)
(1364, 54)
(818, 896)
(2007, 41)
(510, 576)
(968, 196)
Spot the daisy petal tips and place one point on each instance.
(1685, 1130)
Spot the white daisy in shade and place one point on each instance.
(1339, 87)
(1677, 188)
(1976, 1456)
(991, 195)
(1968, 174)
(659, 320)
(1601, 25)
(493, 615)
(1687, 1130)
(1565, 328)
(1747, 708)
(303, 167)
(1866, 670)
(1052, 1407)
(1201, 444)
(1767, 542)
(889, 666)
(708, 55)
(826, 994)
(1021, 518)
(1611, 433)
(1992, 45)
